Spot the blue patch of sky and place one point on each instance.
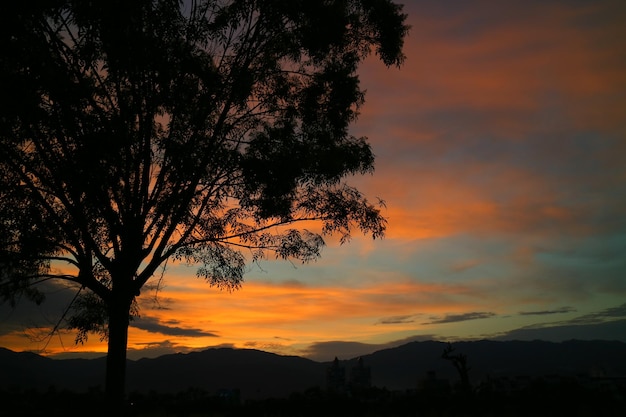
(591, 252)
(451, 259)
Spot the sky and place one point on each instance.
(501, 156)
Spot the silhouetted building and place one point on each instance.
(336, 377)
(360, 377)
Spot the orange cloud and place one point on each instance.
(264, 312)
(439, 204)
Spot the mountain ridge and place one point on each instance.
(260, 374)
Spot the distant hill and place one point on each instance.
(255, 373)
(402, 367)
(260, 374)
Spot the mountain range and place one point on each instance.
(259, 374)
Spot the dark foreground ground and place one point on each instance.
(537, 399)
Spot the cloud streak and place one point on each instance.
(606, 324)
(168, 328)
(455, 318)
(397, 320)
(547, 312)
(608, 314)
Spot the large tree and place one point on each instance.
(132, 132)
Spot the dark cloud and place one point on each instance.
(545, 312)
(610, 330)
(601, 316)
(397, 319)
(28, 314)
(607, 324)
(9, 323)
(169, 328)
(327, 351)
(453, 318)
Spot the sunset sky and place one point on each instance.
(501, 156)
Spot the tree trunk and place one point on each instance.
(115, 386)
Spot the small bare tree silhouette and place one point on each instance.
(459, 361)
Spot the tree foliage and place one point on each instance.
(132, 132)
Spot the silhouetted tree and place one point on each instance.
(459, 361)
(132, 132)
